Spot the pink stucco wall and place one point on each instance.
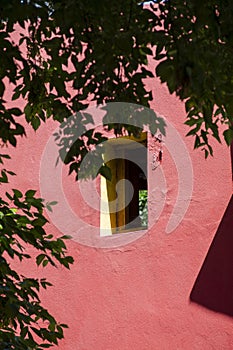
(137, 296)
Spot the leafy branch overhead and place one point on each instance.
(196, 52)
(68, 53)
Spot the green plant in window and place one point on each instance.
(143, 210)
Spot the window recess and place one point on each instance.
(123, 204)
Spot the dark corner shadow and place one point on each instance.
(213, 287)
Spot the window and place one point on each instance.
(124, 198)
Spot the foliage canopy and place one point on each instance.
(67, 53)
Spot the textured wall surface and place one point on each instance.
(137, 296)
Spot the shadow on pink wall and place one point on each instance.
(213, 287)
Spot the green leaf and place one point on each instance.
(45, 263)
(3, 178)
(24, 331)
(30, 193)
(17, 193)
(15, 111)
(40, 258)
(35, 123)
(53, 203)
(9, 196)
(49, 208)
(50, 204)
(28, 112)
(16, 95)
(45, 346)
(6, 156)
(228, 136)
(197, 142)
(191, 121)
(66, 237)
(39, 222)
(11, 173)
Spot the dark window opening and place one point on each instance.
(127, 200)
